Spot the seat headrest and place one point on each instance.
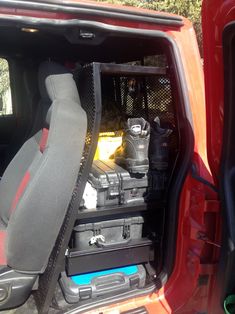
(30, 82)
(56, 82)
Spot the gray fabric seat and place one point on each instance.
(37, 186)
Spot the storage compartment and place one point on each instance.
(133, 91)
(130, 91)
(105, 282)
(121, 222)
(114, 237)
(127, 92)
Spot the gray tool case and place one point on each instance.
(115, 185)
(108, 233)
(92, 285)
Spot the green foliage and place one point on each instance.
(187, 8)
(4, 76)
(5, 91)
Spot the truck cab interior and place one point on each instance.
(71, 92)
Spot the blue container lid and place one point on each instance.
(85, 279)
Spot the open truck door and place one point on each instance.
(218, 19)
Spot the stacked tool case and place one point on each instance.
(82, 287)
(115, 185)
(113, 233)
(108, 233)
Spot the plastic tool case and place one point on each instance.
(101, 243)
(115, 185)
(108, 233)
(91, 285)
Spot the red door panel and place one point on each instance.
(216, 14)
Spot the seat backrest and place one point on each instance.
(37, 186)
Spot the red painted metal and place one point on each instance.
(215, 15)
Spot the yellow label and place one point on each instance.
(107, 145)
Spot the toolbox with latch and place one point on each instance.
(106, 282)
(107, 233)
(116, 186)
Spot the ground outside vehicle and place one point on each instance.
(189, 268)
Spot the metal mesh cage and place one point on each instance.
(128, 97)
(88, 83)
(123, 96)
(144, 96)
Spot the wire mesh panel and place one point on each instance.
(143, 96)
(90, 93)
(138, 95)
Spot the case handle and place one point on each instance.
(102, 244)
(111, 282)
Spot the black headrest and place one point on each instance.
(30, 82)
(56, 82)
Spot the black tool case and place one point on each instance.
(107, 282)
(115, 185)
(102, 243)
(107, 233)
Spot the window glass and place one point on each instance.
(5, 89)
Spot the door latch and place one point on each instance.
(203, 237)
